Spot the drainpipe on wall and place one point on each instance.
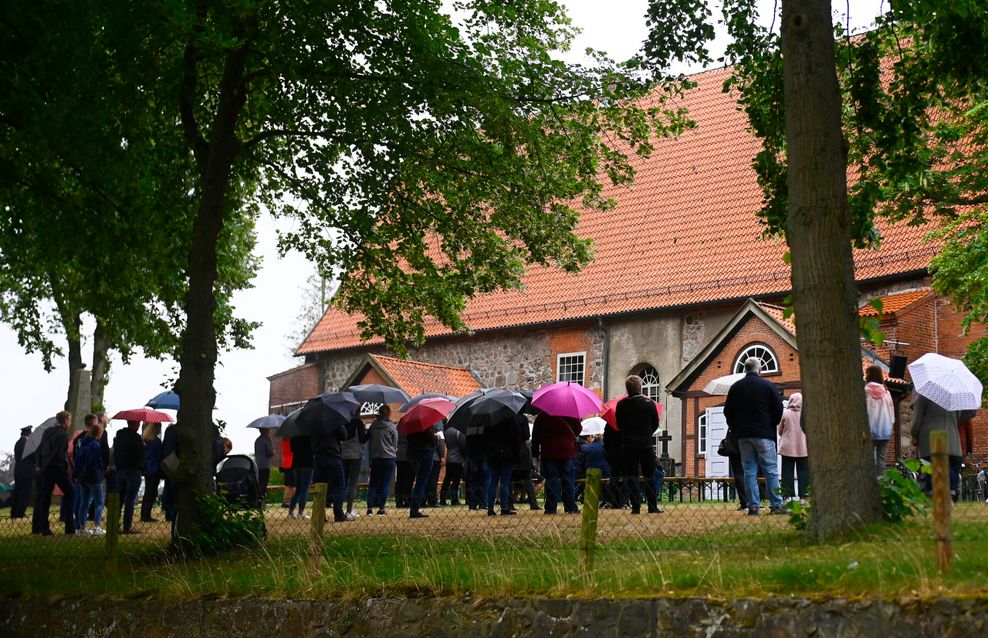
(936, 324)
(607, 354)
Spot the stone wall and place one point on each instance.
(494, 618)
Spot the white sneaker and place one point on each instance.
(304, 517)
(98, 531)
(81, 532)
(290, 515)
(352, 515)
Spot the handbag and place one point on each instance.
(728, 446)
(169, 466)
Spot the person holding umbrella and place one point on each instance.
(927, 418)
(51, 468)
(263, 455)
(382, 448)
(152, 469)
(327, 462)
(128, 459)
(554, 444)
(502, 442)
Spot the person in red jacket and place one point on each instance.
(554, 444)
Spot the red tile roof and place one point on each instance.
(685, 233)
(892, 304)
(415, 377)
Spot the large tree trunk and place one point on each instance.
(845, 492)
(197, 432)
(73, 335)
(101, 366)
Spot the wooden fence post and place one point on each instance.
(588, 527)
(941, 501)
(317, 523)
(112, 528)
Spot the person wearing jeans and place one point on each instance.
(328, 463)
(421, 448)
(382, 448)
(554, 444)
(128, 458)
(753, 409)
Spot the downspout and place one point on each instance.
(606, 355)
(936, 324)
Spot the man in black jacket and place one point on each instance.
(637, 419)
(328, 462)
(128, 458)
(753, 410)
(51, 469)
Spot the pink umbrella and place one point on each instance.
(566, 399)
(607, 412)
(143, 414)
(424, 415)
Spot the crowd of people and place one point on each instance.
(494, 467)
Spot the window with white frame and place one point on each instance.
(571, 366)
(770, 363)
(701, 433)
(650, 383)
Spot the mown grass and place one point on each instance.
(885, 560)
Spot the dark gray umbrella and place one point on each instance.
(487, 407)
(269, 421)
(378, 393)
(34, 440)
(328, 407)
(289, 427)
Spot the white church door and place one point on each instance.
(717, 466)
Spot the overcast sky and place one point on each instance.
(30, 395)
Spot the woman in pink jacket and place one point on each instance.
(792, 447)
(881, 415)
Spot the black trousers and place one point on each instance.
(21, 497)
(450, 489)
(150, 495)
(641, 462)
(737, 471)
(53, 476)
(404, 476)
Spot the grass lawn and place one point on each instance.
(886, 560)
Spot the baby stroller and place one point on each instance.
(236, 482)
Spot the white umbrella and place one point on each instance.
(947, 382)
(593, 426)
(34, 440)
(721, 385)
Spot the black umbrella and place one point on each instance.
(414, 401)
(328, 407)
(378, 393)
(487, 408)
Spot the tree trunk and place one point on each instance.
(73, 335)
(845, 492)
(101, 366)
(198, 358)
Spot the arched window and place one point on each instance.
(650, 383)
(370, 409)
(770, 363)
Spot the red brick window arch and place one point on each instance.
(770, 362)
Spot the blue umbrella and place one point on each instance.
(269, 421)
(166, 400)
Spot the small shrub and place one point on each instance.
(225, 526)
(901, 494)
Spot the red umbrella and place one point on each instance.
(424, 415)
(143, 414)
(608, 410)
